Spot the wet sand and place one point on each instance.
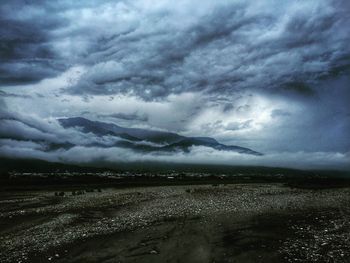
(224, 223)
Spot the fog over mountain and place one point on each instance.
(146, 141)
(176, 81)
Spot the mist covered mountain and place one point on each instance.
(146, 140)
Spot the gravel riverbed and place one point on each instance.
(206, 223)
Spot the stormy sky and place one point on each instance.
(273, 76)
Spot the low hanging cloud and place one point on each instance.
(197, 155)
(126, 116)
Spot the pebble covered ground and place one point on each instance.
(41, 223)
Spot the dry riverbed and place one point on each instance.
(207, 223)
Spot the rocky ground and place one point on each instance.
(207, 223)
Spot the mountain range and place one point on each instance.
(146, 140)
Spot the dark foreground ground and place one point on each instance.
(261, 222)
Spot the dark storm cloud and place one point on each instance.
(149, 50)
(152, 64)
(299, 87)
(26, 53)
(229, 48)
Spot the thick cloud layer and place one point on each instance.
(273, 76)
(157, 50)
